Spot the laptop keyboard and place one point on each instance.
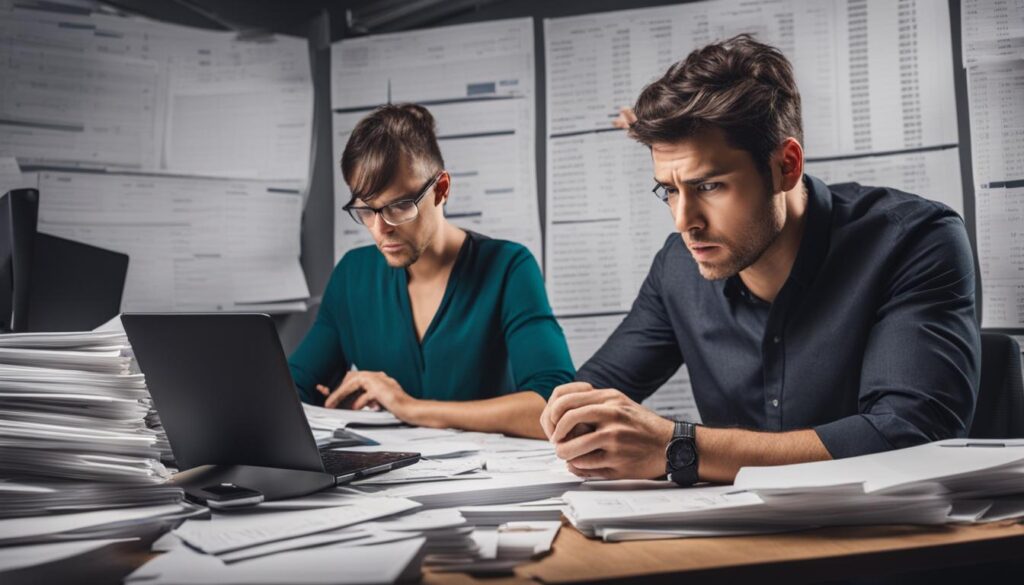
(345, 462)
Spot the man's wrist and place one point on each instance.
(701, 456)
(666, 428)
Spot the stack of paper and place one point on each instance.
(549, 509)
(77, 459)
(118, 523)
(500, 549)
(501, 488)
(262, 544)
(985, 472)
(73, 408)
(18, 499)
(957, 480)
(446, 531)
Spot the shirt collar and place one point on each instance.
(817, 232)
(813, 243)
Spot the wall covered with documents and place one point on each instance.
(190, 149)
(186, 149)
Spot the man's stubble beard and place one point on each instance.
(764, 229)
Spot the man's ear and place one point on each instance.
(791, 158)
(442, 188)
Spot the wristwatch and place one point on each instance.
(681, 455)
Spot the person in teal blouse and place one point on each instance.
(444, 327)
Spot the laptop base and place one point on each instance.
(274, 483)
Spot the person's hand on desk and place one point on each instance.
(374, 389)
(602, 433)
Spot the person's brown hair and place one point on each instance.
(390, 136)
(741, 86)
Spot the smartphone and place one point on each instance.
(224, 496)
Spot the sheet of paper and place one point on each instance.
(429, 470)
(991, 30)
(240, 109)
(405, 434)
(933, 174)
(12, 178)
(337, 565)
(499, 489)
(478, 82)
(225, 533)
(993, 43)
(427, 449)
(600, 506)
(69, 104)
(891, 471)
(339, 418)
(193, 244)
(611, 534)
(310, 541)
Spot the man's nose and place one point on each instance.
(686, 214)
(379, 226)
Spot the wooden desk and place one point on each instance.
(798, 557)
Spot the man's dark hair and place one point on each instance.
(741, 86)
(390, 136)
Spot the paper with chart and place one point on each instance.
(934, 174)
(602, 224)
(104, 91)
(993, 41)
(478, 82)
(193, 244)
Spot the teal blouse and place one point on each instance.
(493, 334)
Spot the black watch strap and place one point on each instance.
(681, 465)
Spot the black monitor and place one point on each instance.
(18, 215)
(52, 283)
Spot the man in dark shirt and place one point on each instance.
(816, 321)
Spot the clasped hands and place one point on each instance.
(602, 433)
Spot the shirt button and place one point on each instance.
(775, 402)
(776, 339)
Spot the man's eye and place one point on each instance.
(402, 205)
(706, 187)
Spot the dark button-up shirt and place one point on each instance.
(872, 341)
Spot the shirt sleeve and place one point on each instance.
(320, 358)
(538, 354)
(921, 366)
(643, 352)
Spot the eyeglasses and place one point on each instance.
(394, 213)
(663, 194)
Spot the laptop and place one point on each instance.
(225, 395)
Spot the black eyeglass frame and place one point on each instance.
(350, 207)
(657, 187)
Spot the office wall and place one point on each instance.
(317, 234)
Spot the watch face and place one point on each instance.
(681, 453)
